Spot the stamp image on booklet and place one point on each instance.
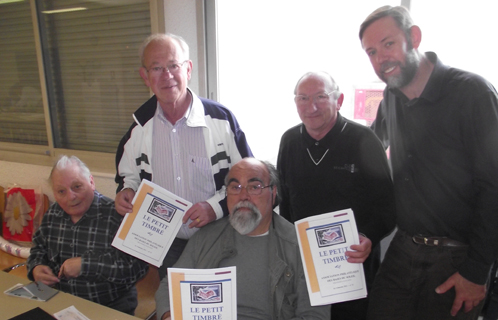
(206, 293)
(330, 236)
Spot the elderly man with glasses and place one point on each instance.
(178, 140)
(329, 163)
(259, 243)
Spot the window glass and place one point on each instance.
(21, 108)
(266, 46)
(91, 58)
(461, 35)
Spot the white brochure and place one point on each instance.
(323, 241)
(196, 294)
(148, 232)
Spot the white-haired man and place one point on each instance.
(72, 248)
(179, 141)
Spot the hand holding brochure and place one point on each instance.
(323, 240)
(203, 293)
(35, 290)
(148, 232)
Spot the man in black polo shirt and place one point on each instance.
(329, 163)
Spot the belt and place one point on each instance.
(437, 241)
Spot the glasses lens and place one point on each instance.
(301, 99)
(322, 97)
(254, 188)
(234, 189)
(174, 68)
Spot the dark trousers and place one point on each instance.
(174, 252)
(357, 309)
(405, 286)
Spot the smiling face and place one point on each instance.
(393, 58)
(318, 117)
(73, 191)
(168, 88)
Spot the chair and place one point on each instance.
(146, 288)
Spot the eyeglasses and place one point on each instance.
(173, 68)
(254, 189)
(317, 98)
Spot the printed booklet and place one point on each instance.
(323, 241)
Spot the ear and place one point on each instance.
(274, 195)
(92, 183)
(145, 76)
(340, 100)
(416, 35)
(189, 69)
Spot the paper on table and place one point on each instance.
(148, 232)
(203, 293)
(70, 313)
(323, 240)
(34, 290)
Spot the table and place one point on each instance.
(7, 260)
(11, 306)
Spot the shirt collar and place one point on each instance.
(193, 117)
(434, 85)
(196, 117)
(328, 138)
(160, 113)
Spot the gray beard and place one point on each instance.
(245, 222)
(407, 73)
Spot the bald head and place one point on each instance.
(164, 38)
(323, 76)
(318, 101)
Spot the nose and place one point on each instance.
(312, 106)
(71, 195)
(166, 74)
(381, 56)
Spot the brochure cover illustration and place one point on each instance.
(323, 241)
(148, 232)
(202, 293)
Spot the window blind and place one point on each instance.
(91, 58)
(21, 109)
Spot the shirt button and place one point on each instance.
(317, 143)
(174, 130)
(178, 178)
(407, 179)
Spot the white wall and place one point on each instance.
(33, 175)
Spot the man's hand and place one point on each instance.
(361, 251)
(166, 316)
(123, 201)
(44, 274)
(71, 268)
(201, 214)
(468, 293)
